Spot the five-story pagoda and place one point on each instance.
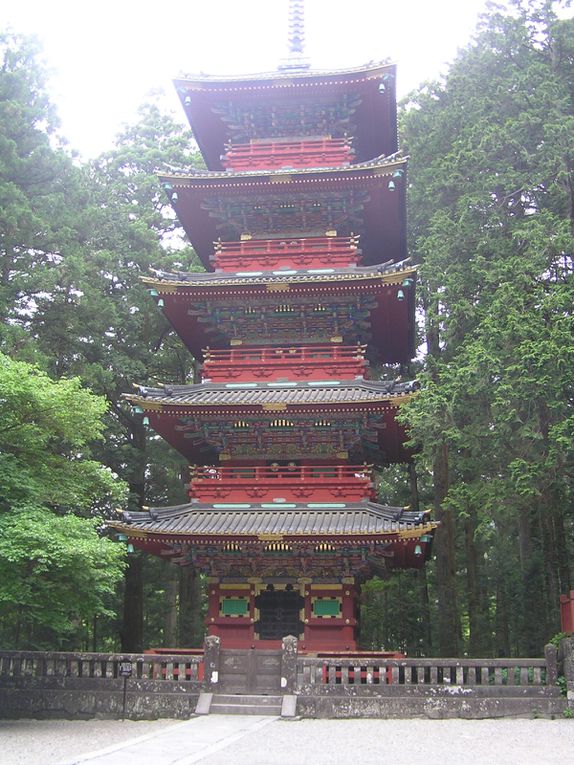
(300, 223)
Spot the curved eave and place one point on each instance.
(376, 130)
(253, 521)
(392, 321)
(182, 418)
(381, 165)
(382, 218)
(283, 79)
(165, 282)
(213, 398)
(341, 538)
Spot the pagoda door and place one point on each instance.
(279, 613)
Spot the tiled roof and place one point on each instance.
(259, 394)
(287, 519)
(390, 163)
(370, 69)
(289, 276)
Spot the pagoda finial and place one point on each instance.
(296, 40)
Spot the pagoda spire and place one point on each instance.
(296, 58)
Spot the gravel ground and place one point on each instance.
(405, 742)
(47, 742)
(308, 742)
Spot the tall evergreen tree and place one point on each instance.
(103, 325)
(491, 224)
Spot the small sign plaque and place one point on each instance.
(125, 669)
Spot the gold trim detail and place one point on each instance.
(238, 586)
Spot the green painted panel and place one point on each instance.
(235, 607)
(327, 608)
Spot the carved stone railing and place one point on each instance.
(318, 675)
(39, 664)
(146, 686)
(41, 684)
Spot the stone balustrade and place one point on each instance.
(21, 664)
(331, 672)
(150, 685)
(83, 685)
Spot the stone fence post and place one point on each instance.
(551, 657)
(211, 663)
(289, 664)
(566, 661)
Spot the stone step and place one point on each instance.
(246, 698)
(243, 704)
(244, 709)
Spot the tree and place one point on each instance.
(56, 570)
(99, 322)
(491, 211)
(38, 186)
(73, 243)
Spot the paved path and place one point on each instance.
(244, 740)
(181, 744)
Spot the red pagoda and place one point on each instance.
(300, 223)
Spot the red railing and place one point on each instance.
(269, 254)
(273, 155)
(313, 362)
(320, 483)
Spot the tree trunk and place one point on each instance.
(191, 628)
(502, 635)
(444, 545)
(531, 633)
(170, 618)
(479, 643)
(132, 633)
(426, 632)
(421, 576)
(555, 556)
(562, 550)
(132, 630)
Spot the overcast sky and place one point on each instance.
(106, 56)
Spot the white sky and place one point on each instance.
(105, 56)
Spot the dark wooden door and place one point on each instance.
(250, 671)
(279, 614)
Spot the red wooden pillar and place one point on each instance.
(567, 612)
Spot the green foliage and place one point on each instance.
(74, 242)
(56, 572)
(391, 614)
(555, 640)
(491, 218)
(37, 183)
(45, 430)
